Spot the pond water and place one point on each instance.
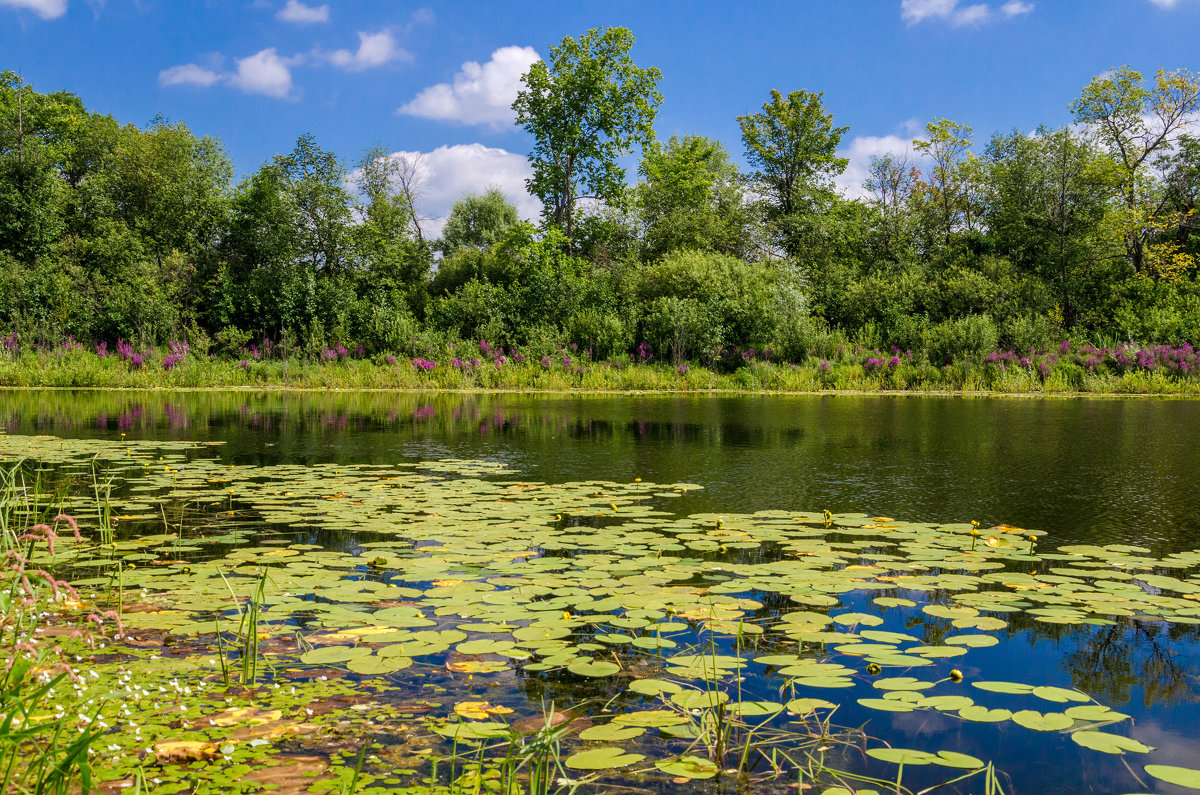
(1085, 472)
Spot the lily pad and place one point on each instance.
(1181, 776)
(1109, 743)
(608, 758)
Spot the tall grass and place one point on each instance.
(84, 369)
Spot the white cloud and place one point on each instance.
(915, 11)
(450, 171)
(1165, 3)
(860, 151)
(266, 72)
(299, 14)
(374, 49)
(1015, 8)
(480, 94)
(188, 74)
(46, 9)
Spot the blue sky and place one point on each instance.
(436, 78)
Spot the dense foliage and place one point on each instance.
(122, 238)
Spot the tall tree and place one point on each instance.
(1046, 197)
(793, 145)
(392, 251)
(690, 196)
(314, 182)
(952, 175)
(890, 182)
(1136, 122)
(587, 107)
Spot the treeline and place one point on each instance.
(112, 232)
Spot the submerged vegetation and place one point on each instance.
(444, 627)
(960, 267)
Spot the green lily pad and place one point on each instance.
(957, 760)
(803, 706)
(1043, 722)
(608, 758)
(611, 733)
(652, 687)
(1180, 776)
(1109, 743)
(327, 655)
(688, 767)
(593, 668)
(901, 683)
(373, 665)
(983, 714)
(699, 699)
(902, 756)
(1012, 688)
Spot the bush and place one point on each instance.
(735, 299)
(602, 334)
(971, 337)
(679, 327)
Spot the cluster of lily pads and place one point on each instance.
(450, 590)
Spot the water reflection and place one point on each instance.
(1087, 471)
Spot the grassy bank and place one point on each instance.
(77, 368)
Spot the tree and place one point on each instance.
(951, 175)
(393, 254)
(30, 212)
(793, 145)
(585, 109)
(690, 196)
(1046, 197)
(478, 221)
(890, 181)
(313, 180)
(1134, 122)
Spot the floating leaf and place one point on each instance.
(1043, 722)
(902, 683)
(699, 699)
(1109, 743)
(1095, 712)
(1181, 776)
(652, 687)
(803, 706)
(1012, 688)
(333, 654)
(372, 665)
(593, 668)
(983, 714)
(693, 767)
(957, 760)
(902, 756)
(611, 733)
(608, 758)
(1060, 695)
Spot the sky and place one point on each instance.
(438, 78)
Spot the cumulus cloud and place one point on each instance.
(188, 74)
(860, 151)
(975, 14)
(46, 9)
(266, 72)
(374, 49)
(450, 171)
(480, 93)
(298, 13)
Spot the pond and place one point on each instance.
(702, 580)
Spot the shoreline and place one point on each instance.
(614, 392)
